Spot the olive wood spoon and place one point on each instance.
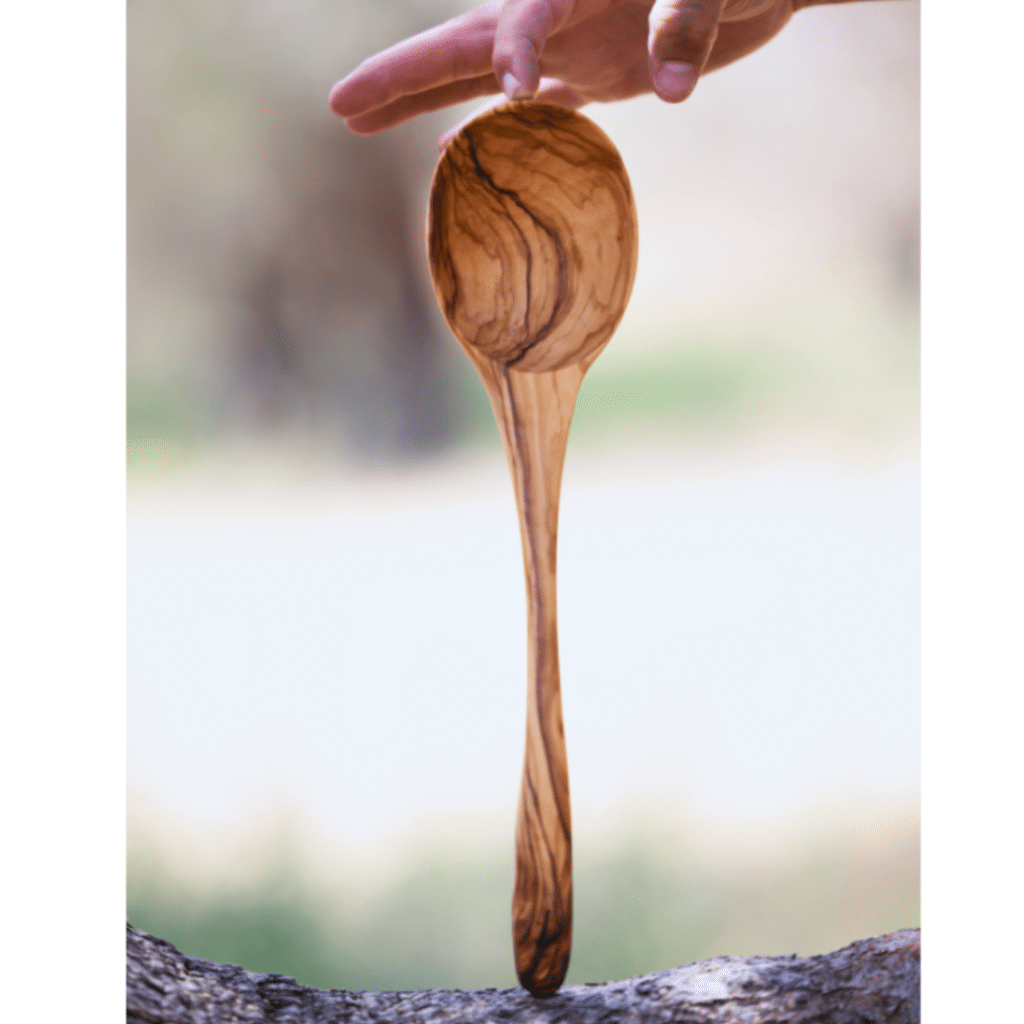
(532, 241)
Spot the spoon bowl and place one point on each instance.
(532, 242)
(532, 237)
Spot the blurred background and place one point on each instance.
(326, 664)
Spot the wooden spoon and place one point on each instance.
(532, 241)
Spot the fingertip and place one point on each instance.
(354, 126)
(517, 74)
(357, 93)
(512, 88)
(522, 31)
(675, 80)
(336, 100)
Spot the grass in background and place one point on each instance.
(163, 424)
(850, 381)
(691, 389)
(446, 923)
(159, 410)
(699, 391)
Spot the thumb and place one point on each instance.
(523, 29)
(680, 36)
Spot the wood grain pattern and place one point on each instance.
(532, 241)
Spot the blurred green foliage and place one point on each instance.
(160, 410)
(687, 387)
(692, 390)
(446, 923)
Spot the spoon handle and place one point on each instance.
(534, 413)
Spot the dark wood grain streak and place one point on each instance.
(532, 242)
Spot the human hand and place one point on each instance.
(569, 52)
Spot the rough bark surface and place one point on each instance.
(875, 980)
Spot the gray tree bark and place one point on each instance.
(875, 980)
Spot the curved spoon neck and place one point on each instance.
(534, 412)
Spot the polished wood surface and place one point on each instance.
(532, 241)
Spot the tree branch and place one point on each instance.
(875, 981)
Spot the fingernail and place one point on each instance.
(512, 89)
(675, 80)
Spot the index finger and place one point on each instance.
(460, 48)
